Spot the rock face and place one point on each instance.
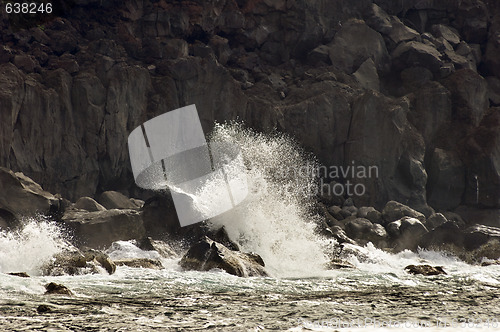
(207, 254)
(20, 196)
(399, 85)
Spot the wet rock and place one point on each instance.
(435, 220)
(335, 211)
(88, 204)
(116, 200)
(145, 263)
(19, 274)
(446, 184)
(207, 254)
(425, 270)
(406, 233)
(338, 263)
(99, 229)
(394, 210)
(364, 210)
(222, 237)
(43, 308)
(79, 262)
(349, 56)
(363, 229)
(416, 54)
(478, 235)
(338, 234)
(447, 234)
(53, 288)
(161, 247)
(21, 196)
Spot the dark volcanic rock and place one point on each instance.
(207, 254)
(349, 56)
(116, 200)
(20, 196)
(394, 210)
(88, 204)
(19, 274)
(425, 270)
(159, 246)
(145, 263)
(53, 288)
(99, 229)
(79, 262)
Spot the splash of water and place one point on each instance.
(275, 220)
(28, 248)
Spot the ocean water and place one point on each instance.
(276, 221)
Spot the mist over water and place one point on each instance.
(276, 219)
(30, 246)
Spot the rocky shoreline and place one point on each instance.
(97, 225)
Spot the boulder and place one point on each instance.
(364, 210)
(88, 204)
(435, 220)
(222, 237)
(442, 236)
(378, 19)
(53, 288)
(349, 56)
(478, 235)
(116, 200)
(338, 234)
(406, 233)
(362, 229)
(145, 263)
(416, 54)
(394, 210)
(21, 196)
(99, 229)
(207, 254)
(401, 33)
(441, 30)
(425, 270)
(75, 262)
(161, 247)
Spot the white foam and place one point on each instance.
(28, 248)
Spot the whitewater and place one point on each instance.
(277, 221)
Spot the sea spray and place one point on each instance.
(29, 247)
(276, 219)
